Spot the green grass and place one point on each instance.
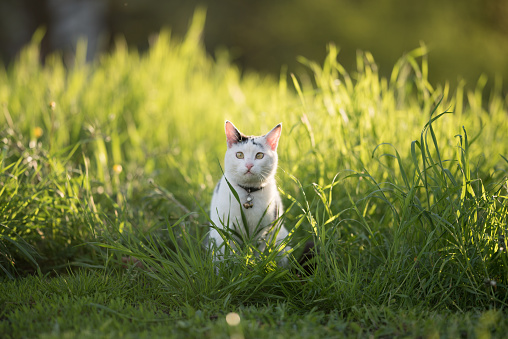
(91, 304)
(401, 186)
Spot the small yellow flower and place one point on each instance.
(117, 168)
(38, 132)
(52, 105)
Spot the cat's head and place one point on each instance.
(251, 160)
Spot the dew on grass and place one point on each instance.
(117, 168)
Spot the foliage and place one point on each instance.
(95, 304)
(401, 186)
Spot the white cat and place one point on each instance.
(249, 167)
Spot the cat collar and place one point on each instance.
(250, 190)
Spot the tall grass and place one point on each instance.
(406, 205)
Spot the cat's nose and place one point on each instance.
(249, 165)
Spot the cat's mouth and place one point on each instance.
(249, 175)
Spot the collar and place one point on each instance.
(250, 189)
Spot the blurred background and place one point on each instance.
(465, 38)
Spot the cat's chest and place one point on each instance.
(259, 209)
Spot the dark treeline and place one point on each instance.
(465, 38)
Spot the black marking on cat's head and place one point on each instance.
(255, 142)
(242, 138)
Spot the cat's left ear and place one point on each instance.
(272, 137)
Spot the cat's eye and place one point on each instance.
(260, 155)
(239, 155)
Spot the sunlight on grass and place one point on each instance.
(402, 187)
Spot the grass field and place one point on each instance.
(401, 186)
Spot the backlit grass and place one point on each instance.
(401, 186)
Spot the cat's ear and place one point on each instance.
(272, 137)
(233, 135)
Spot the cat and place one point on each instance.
(250, 165)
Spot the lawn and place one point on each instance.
(402, 187)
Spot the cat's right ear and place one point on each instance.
(233, 135)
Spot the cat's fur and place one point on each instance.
(249, 171)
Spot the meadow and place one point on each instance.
(401, 186)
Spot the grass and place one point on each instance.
(89, 304)
(401, 186)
